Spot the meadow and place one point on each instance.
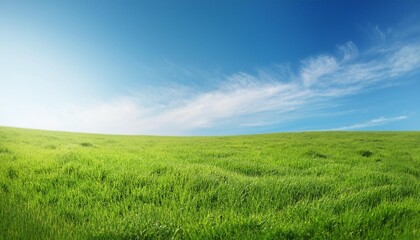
(314, 185)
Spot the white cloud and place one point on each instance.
(202, 111)
(373, 123)
(207, 109)
(348, 51)
(404, 60)
(314, 69)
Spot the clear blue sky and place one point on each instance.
(210, 67)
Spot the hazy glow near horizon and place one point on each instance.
(213, 68)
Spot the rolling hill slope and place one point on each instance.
(317, 185)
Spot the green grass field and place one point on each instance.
(319, 185)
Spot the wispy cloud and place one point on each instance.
(373, 123)
(381, 35)
(245, 99)
(249, 97)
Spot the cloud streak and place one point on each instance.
(373, 123)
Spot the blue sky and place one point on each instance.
(210, 67)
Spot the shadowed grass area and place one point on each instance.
(320, 185)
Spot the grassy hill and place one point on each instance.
(318, 185)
